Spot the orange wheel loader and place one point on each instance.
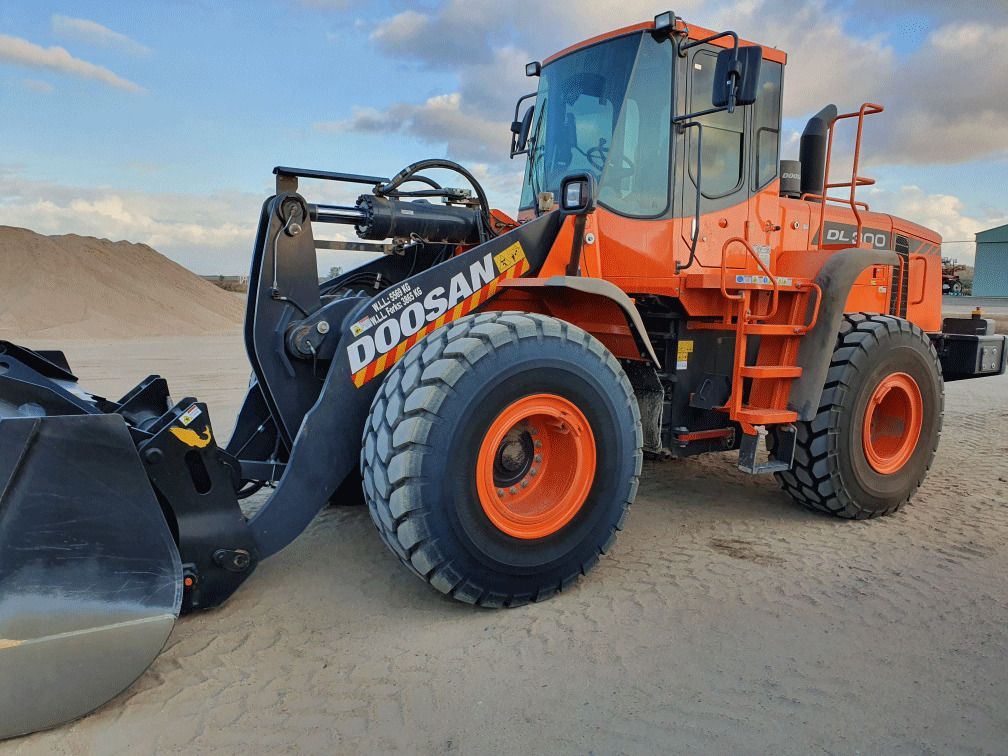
(491, 385)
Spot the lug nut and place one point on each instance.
(500, 491)
(538, 444)
(524, 483)
(538, 457)
(533, 471)
(514, 490)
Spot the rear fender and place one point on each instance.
(835, 279)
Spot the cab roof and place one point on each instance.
(694, 32)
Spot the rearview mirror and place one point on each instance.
(577, 194)
(520, 130)
(736, 80)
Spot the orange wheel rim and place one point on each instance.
(535, 466)
(892, 424)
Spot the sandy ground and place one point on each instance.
(726, 619)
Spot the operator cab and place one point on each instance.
(605, 108)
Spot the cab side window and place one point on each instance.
(766, 127)
(723, 133)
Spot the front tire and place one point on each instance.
(501, 455)
(873, 440)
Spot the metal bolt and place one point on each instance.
(294, 229)
(322, 327)
(500, 491)
(514, 490)
(524, 483)
(538, 457)
(533, 471)
(589, 238)
(538, 444)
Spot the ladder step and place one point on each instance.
(766, 416)
(781, 459)
(773, 329)
(771, 371)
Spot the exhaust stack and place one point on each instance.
(812, 152)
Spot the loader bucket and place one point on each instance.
(90, 578)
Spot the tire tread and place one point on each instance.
(813, 480)
(404, 412)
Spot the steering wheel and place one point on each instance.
(598, 155)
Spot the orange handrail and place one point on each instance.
(923, 280)
(867, 109)
(810, 195)
(818, 301)
(752, 253)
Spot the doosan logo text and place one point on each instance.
(422, 310)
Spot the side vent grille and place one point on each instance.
(900, 279)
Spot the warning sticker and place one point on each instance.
(361, 325)
(509, 257)
(753, 280)
(189, 415)
(682, 354)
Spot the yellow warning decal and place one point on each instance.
(509, 257)
(682, 354)
(192, 438)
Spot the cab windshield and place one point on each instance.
(605, 110)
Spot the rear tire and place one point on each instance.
(885, 372)
(425, 457)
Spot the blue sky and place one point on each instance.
(160, 122)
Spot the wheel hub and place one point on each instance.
(514, 458)
(892, 423)
(535, 466)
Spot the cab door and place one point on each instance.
(723, 167)
(765, 217)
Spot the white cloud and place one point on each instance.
(94, 33)
(945, 102)
(207, 233)
(826, 63)
(438, 120)
(37, 85)
(25, 53)
(943, 213)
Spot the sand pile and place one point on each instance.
(79, 287)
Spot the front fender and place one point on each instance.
(596, 287)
